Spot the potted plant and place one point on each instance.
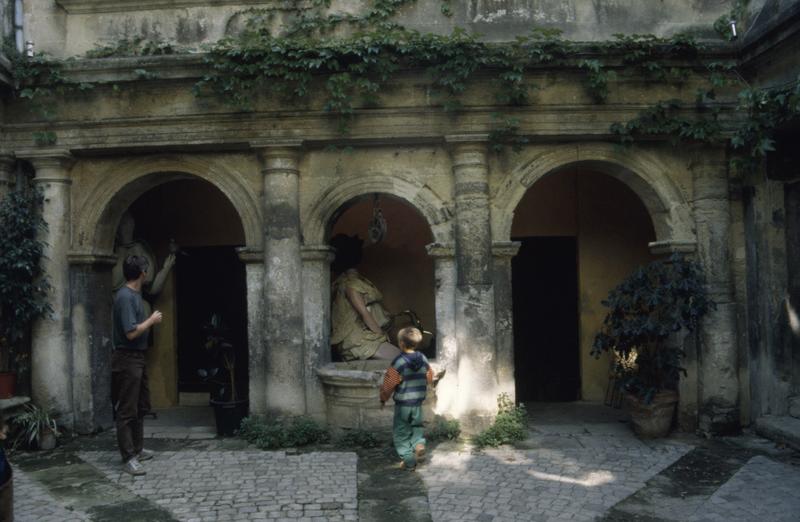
(229, 409)
(23, 287)
(656, 301)
(37, 428)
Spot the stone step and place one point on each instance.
(780, 428)
(794, 406)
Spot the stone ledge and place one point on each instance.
(116, 6)
(780, 429)
(13, 406)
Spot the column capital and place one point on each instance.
(440, 251)
(468, 150)
(269, 151)
(672, 246)
(278, 157)
(323, 253)
(505, 249)
(248, 256)
(61, 158)
(91, 258)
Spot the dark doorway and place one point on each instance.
(209, 280)
(545, 300)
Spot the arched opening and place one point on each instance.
(208, 278)
(581, 232)
(398, 265)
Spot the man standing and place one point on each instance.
(130, 393)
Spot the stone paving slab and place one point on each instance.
(762, 490)
(32, 503)
(540, 484)
(217, 485)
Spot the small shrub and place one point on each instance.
(509, 425)
(32, 425)
(274, 433)
(443, 429)
(358, 438)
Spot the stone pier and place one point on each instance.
(257, 362)
(317, 312)
(283, 284)
(51, 346)
(503, 252)
(474, 296)
(718, 380)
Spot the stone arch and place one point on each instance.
(641, 170)
(125, 181)
(434, 209)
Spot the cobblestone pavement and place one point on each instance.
(528, 485)
(592, 470)
(761, 490)
(32, 503)
(199, 485)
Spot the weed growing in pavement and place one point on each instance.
(274, 432)
(509, 425)
(358, 438)
(443, 429)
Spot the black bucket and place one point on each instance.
(228, 415)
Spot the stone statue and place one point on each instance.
(358, 319)
(127, 246)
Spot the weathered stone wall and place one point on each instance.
(72, 27)
(276, 168)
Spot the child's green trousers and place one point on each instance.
(407, 432)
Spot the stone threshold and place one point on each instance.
(780, 428)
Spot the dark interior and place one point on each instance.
(545, 297)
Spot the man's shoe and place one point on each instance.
(419, 452)
(133, 467)
(145, 455)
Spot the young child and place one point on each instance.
(6, 479)
(408, 378)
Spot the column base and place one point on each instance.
(476, 421)
(717, 419)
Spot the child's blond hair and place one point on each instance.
(409, 338)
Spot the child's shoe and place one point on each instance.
(419, 452)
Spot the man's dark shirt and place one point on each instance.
(128, 313)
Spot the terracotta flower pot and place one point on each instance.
(654, 420)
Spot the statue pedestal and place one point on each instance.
(352, 397)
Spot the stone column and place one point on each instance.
(688, 384)
(91, 304)
(504, 315)
(283, 285)
(474, 297)
(257, 357)
(6, 166)
(51, 347)
(718, 383)
(444, 266)
(317, 320)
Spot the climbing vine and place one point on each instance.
(353, 58)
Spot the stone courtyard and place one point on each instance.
(581, 464)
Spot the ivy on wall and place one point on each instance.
(23, 285)
(355, 57)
